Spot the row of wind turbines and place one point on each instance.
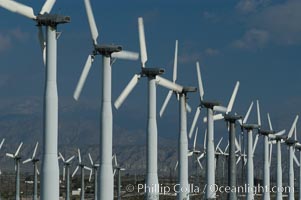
(50, 168)
(93, 168)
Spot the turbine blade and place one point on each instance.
(18, 150)
(115, 161)
(19, 8)
(201, 156)
(165, 102)
(47, 7)
(201, 166)
(79, 156)
(232, 99)
(201, 88)
(61, 156)
(226, 149)
(168, 84)
(239, 158)
(290, 133)
(175, 63)
(70, 159)
(217, 146)
(176, 166)
(127, 90)
(91, 20)
(143, 52)
(190, 153)
(255, 143)
(220, 109)
(280, 133)
(205, 139)
(87, 168)
(188, 108)
(10, 155)
(42, 43)
(296, 160)
(237, 145)
(126, 55)
(75, 171)
(218, 117)
(64, 172)
(90, 176)
(26, 161)
(195, 137)
(248, 113)
(195, 119)
(38, 172)
(90, 159)
(83, 77)
(2, 142)
(270, 123)
(35, 150)
(258, 113)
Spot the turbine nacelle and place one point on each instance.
(291, 141)
(209, 104)
(189, 89)
(152, 72)
(107, 50)
(266, 132)
(52, 19)
(250, 126)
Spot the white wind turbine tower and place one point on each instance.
(66, 173)
(290, 142)
(182, 138)
(17, 159)
(211, 107)
(268, 135)
(119, 170)
(108, 52)
(278, 139)
(34, 161)
(250, 153)
(95, 171)
(82, 172)
(50, 167)
(153, 78)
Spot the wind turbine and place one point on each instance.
(278, 139)
(182, 139)
(82, 171)
(109, 53)
(95, 171)
(267, 134)
(17, 159)
(211, 107)
(153, 77)
(34, 161)
(194, 151)
(231, 120)
(50, 167)
(290, 142)
(66, 173)
(250, 152)
(118, 169)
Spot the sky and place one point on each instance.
(256, 42)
